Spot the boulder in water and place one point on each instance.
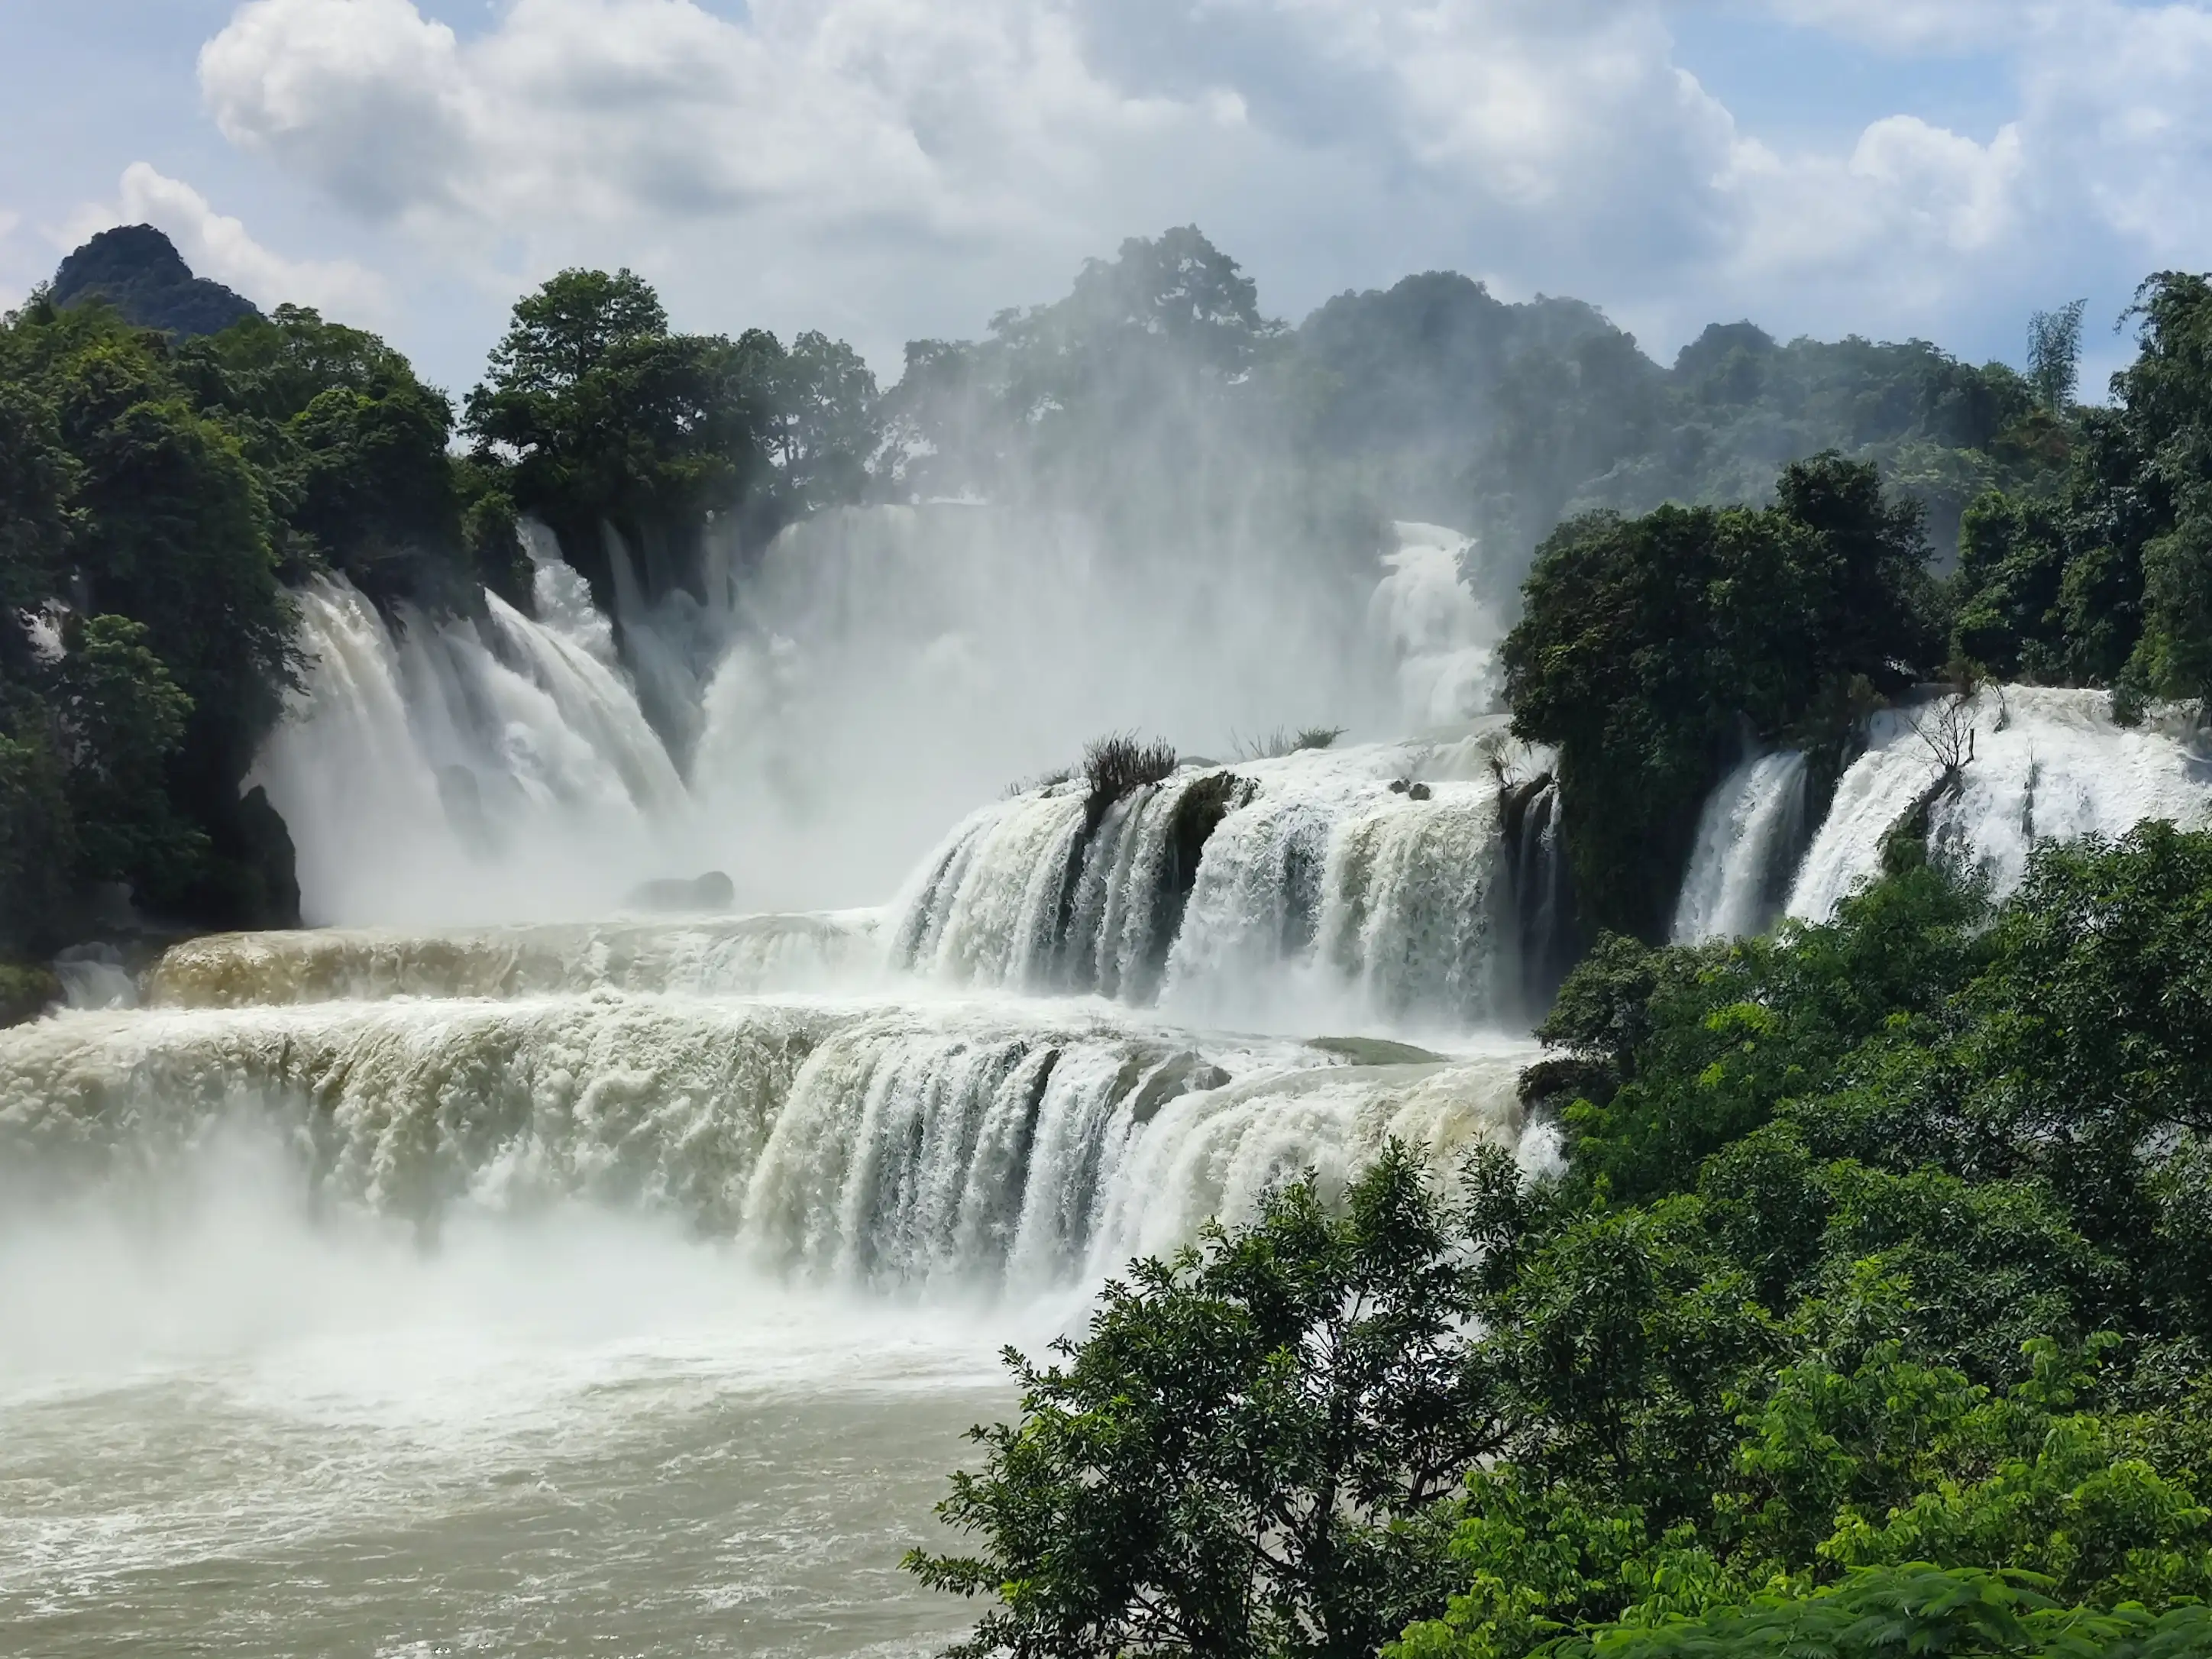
(1375, 1051)
(711, 891)
(1182, 1074)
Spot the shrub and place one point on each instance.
(1121, 763)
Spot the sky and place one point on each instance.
(888, 170)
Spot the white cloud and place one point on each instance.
(218, 246)
(1943, 26)
(893, 167)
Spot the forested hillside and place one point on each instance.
(166, 486)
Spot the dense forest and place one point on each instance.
(172, 464)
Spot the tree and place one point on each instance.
(825, 429)
(1650, 648)
(2054, 355)
(1254, 1449)
(122, 720)
(150, 527)
(598, 418)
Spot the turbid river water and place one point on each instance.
(226, 1432)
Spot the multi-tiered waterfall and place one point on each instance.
(508, 1210)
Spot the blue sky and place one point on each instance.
(890, 169)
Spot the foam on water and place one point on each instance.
(2047, 765)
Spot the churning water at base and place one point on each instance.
(229, 1427)
(562, 1290)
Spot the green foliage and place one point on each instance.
(137, 521)
(26, 990)
(38, 837)
(122, 718)
(611, 421)
(1912, 1609)
(2110, 582)
(2054, 355)
(1254, 1451)
(1868, 1318)
(1650, 647)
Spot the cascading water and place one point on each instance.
(433, 770)
(874, 1144)
(1369, 884)
(1445, 638)
(487, 1274)
(1748, 841)
(2045, 765)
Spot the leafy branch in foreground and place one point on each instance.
(1257, 1448)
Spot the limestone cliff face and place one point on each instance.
(139, 271)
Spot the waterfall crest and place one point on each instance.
(2047, 765)
(734, 955)
(878, 1145)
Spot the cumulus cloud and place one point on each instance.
(217, 245)
(907, 165)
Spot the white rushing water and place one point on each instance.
(1749, 840)
(436, 770)
(2047, 765)
(533, 1289)
(1445, 637)
(512, 1267)
(1370, 886)
(516, 1268)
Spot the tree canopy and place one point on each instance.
(1652, 649)
(1866, 1317)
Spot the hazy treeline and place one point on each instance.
(163, 489)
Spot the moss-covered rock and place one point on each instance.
(27, 990)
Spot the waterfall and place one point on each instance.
(1443, 639)
(858, 1142)
(737, 956)
(434, 769)
(1410, 910)
(1365, 885)
(1749, 839)
(1546, 932)
(2047, 765)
